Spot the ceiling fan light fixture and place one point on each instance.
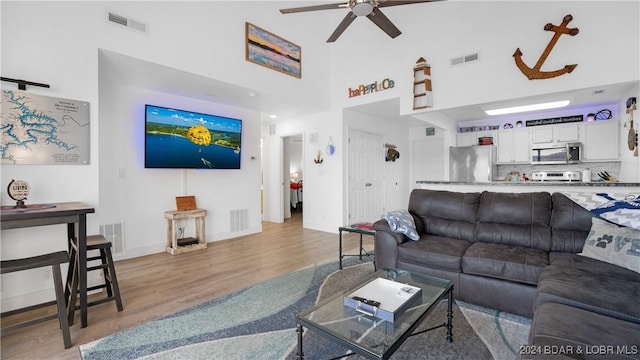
(361, 7)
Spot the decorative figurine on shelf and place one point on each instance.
(422, 88)
(318, 159)
(18, 190)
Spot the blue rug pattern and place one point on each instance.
(259, 323)
(226, 319)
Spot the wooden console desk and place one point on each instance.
(74, 214)
(174, 246)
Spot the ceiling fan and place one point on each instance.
(368, 8)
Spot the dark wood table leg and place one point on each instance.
(71, 235)
(82, 268)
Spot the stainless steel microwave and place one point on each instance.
(556, 153)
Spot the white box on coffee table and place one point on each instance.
(394, 298)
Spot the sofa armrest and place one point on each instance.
(383, 226)
(386, 244)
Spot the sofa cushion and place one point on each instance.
(506, 262)
(575, 261)
(570, 224)
(434, 251)
(560, 329)
(518, 219)
(602, 294)
(445, 213)
(618, 245)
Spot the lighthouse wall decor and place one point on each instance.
(422, 92)
(535, 73)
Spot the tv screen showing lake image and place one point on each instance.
(181, 139)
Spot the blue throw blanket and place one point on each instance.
(619, 208)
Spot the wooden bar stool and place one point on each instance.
(54, 260)
(100, 243)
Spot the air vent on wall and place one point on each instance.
(239, 221)
(126, 22)
(465, 59)
(115, 234)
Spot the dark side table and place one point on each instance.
(362, 230)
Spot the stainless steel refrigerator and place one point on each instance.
(472, 163)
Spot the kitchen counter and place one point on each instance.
(531, 186)
(534, 183)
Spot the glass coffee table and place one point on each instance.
(367, 335)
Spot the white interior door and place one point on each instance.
(365, 168)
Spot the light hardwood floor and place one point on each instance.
(160, 284)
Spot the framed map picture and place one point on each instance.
(43, 130)
(272, 51)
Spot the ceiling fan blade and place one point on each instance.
(384, 23)
(342, 27)
(314, 8)
(408, 2)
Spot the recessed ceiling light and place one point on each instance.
(272, 116)
(253, 93)
(531, 107)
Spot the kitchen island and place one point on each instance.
(531, 186)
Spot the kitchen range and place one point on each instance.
(557, 176)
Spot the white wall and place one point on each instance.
(126, 186)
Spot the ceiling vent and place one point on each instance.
(126, 22)
(465, 59)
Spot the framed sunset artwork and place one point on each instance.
(267, 49)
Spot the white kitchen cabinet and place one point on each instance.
(555, 133)
(466, 139)
(471, 138)
(601, 141)
(514, 146)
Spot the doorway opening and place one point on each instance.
(293, 199)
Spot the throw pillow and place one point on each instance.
(401, 221)
(614, 244)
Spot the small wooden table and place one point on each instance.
(361, 231)
(174, 245)
(74, 214)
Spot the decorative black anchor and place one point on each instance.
(535, 73)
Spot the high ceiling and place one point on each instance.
(130, 71)
(139, 73)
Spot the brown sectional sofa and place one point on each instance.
(518, 252)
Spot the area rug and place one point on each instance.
(259, 323)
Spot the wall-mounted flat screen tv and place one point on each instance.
(181, 139)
